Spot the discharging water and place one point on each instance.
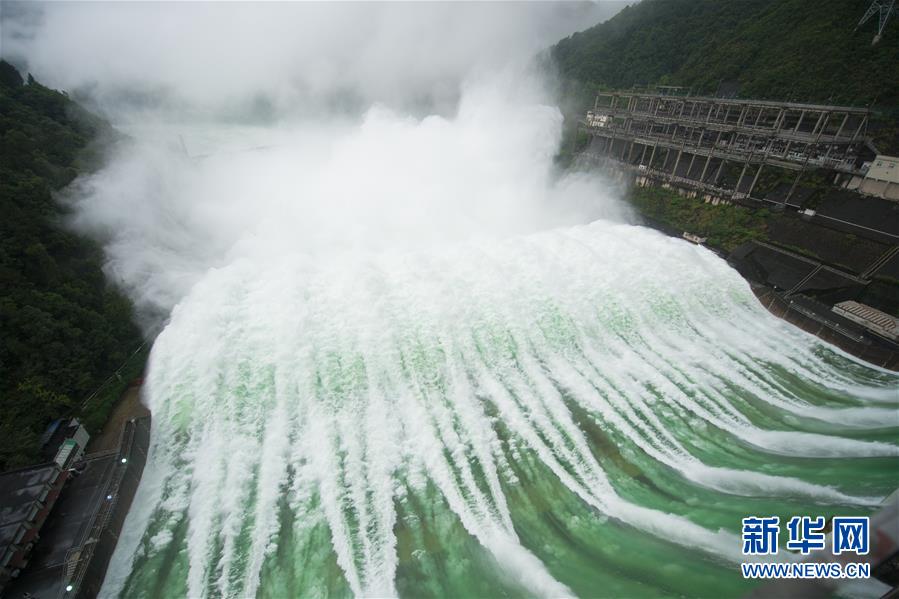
(589, 410)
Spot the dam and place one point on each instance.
(405, 342)
(697, 137)
(753, 155)
(514, 423)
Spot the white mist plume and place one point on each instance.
(387, 182)
(277, 55)
(385, 126)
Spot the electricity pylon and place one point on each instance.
(883, 9)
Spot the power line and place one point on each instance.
(114, 375)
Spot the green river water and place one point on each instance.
(586, 411)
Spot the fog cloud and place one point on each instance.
(389, 128)
(388, 182)
(274, 54)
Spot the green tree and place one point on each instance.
(64, 329)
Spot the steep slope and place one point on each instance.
(64, 328)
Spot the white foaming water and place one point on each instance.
(384, 329)
(322, 189)
(359, 376)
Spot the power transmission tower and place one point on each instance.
(883, 9)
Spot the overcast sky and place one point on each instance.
(239, 54)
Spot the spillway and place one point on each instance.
(585, 410)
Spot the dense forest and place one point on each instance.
(64, 328)
(786, 50)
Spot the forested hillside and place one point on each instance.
(64, 329)
(784, 49)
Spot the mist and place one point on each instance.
(259, 131)
(272, 57)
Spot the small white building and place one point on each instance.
(694, 238)
(882, 178)
(597, 120)
(879, 322)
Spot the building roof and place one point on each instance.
(872, 315)
(58, 431)
(20, 490)
(884, 168)
(68, 526)
(23, 487)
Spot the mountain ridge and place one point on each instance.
(788, 50)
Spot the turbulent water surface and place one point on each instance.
(589, 410)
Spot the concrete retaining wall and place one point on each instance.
(90, 569)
